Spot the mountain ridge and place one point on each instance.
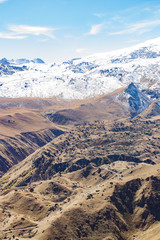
(85, 77)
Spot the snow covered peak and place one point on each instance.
(4, 61)
(21, 61)
(84, 77)
(146, 50)
(37, 60)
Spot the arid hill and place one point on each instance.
(98, 180)
(84, 169)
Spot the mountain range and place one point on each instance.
(83, 77)
(79, 147)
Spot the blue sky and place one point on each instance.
(57, 30)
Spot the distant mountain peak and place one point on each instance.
(4, 61)
(37, 60)
(20, 61)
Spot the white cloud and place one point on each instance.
(2, 1)
(43, 40)
(95, 29)
(23, 31)
(139, 28)
(32, 30)
(10, 36)
(99, 15)
(81, 50)
(119, 19)
(147, 9)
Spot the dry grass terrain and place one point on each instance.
(22, 131)
(99, 180)
(79, 170)
(27, 124)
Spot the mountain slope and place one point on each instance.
(98, 181)
(86, 77)
(92, 145)
(23, 129)
(84, 169)
(123, 103)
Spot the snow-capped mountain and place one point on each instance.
(9, 67)
(6, 68)
(84, 77)
(25, 61)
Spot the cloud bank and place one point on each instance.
(95, 29)
(139, 28)
(24, 31)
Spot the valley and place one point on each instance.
(96, 180)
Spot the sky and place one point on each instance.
(59, 30)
